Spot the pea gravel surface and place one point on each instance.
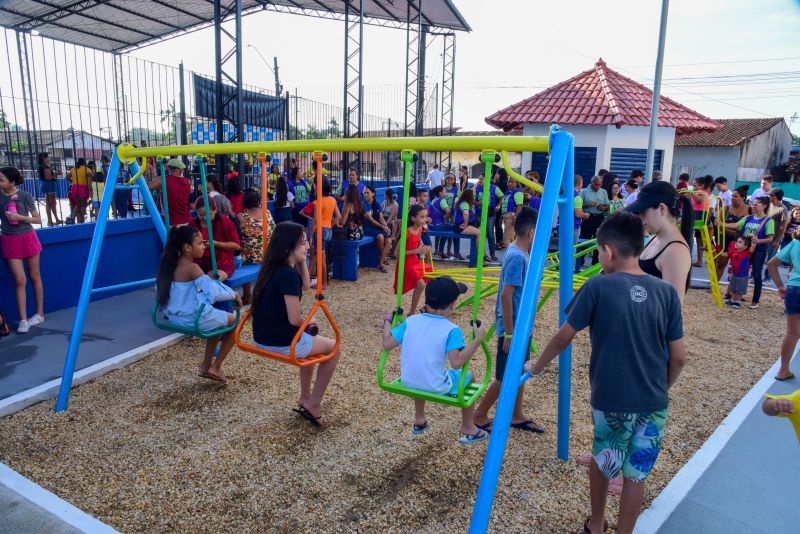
(153, 448)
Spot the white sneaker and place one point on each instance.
(36, 319)
(23, 327)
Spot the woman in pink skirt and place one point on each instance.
(19, 242)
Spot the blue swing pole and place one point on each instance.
(560, 152)
(86, 286)
(566, 231)
(91, 269)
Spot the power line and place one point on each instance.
(715, 62)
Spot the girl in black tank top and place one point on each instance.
(649, 265)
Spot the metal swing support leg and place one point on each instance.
(560, 172)
(91, 269)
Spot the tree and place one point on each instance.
(795, 139)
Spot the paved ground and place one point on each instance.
(751, 486)
(22, 516)
(113, 326)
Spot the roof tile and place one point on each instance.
(600, 96)
(732, 133)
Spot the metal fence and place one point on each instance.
(75, 102)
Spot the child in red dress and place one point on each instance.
(413, 270)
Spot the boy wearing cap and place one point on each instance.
(427, 342)
(630, 370)
(178, 191)
(509, 298)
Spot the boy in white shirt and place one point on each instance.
(722, 190)
(427, 342)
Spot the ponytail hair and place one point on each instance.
(683, 211)
(178, 237)
(412, 212)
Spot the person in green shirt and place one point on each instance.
(595, 203)
(510, 206)
(761, 227)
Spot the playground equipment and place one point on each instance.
(560, 176)
(710, 251)
(166, 325)
(793, 417)
(319, 303)
(467, 393)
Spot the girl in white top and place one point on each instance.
(182, 288)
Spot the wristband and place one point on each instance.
(507, 336)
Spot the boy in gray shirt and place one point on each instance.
(636, 334)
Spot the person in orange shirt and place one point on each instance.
(329, 216)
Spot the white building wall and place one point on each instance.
(699, 161)
(762, 152)
(604, 138)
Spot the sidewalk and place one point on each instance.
(113, 326)
(744, 478)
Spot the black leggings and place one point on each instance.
(758, 259)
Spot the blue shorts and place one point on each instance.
(47, 186)
(301, 350)
(791, 303)
(327, 235)
(455, 376)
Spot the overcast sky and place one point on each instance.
(519, 47)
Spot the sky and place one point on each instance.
(519, 47)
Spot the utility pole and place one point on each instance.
(651, 142)
(278, 86)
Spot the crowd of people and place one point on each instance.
(645, 282)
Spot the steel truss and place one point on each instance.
(27, 95)
(229, 68)
(353, 86)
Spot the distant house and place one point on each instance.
(609, 115)
(743, 149)
(19, 147)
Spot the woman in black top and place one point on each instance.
(277, 314)
(667, 254)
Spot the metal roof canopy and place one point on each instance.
(122, 25)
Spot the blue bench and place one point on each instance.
(348, 256)
(244, 274)
(473, 242)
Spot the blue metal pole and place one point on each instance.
(559, 151)
(149, 203)
(86, 286)
(566, 231)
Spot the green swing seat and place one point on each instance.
(195, 330)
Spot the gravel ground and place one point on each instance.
(152, 448)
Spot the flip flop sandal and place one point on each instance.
(416, 430)
(4, 328)
(788, 377)
(528, 426)
(480, 435)
(486, 426)
(305, 414)
(587, 530)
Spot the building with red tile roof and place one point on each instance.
(609, 114)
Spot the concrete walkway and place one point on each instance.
(113, 326)
(744, 478)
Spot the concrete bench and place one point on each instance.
(349, 255)
(473, 242)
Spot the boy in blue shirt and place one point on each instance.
(509, 295)
(630, 370)
(427, 342)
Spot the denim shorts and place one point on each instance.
(327, 234)
(455, 376)
(791, 303)
(627, 442)
(301, 350)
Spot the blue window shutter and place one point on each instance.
(585, 162)
(624, 160)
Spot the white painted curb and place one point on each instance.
(652, 519)
(51, 503)
(48, 390)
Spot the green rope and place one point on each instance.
(208, 218)
(164, 191)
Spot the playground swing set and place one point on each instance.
(557, 273)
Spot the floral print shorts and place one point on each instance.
(629, 442)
